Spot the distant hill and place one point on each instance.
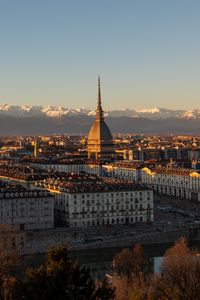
(33, 125)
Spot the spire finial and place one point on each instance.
(99, 112)
(99, 91)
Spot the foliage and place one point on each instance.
(61, 278)
(130, 274)
(9, 257)
(179, 278)
(180, 273)
(128, 263)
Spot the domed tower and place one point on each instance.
(100, 141)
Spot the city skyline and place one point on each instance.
(147, 53)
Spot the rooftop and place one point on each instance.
(8, 190)
(176, 171)
(76, 183)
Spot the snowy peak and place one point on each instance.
(191, 114)
(149, 110)
(49, 111)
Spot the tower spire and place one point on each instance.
(99, 91)
(99, 111)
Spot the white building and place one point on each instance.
(26, 209)
(101, 203)
(121, 171)
(177, 182)
(69, 167)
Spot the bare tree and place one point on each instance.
(180, 273)
(129, 277)
(123, 263)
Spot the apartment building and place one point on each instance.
(93, 201)
(177, 182)
(26, 209)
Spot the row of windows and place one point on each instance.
(118, 200)
(83, 196)
(109, 221)
(113, 207)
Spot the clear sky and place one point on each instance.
(146, 51)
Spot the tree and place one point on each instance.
(9, 256)
(179, 278)
(129, 263)
(181, 272)
(105, 290)
(130, 274)
(180, 275)
(123, 263)
(139, 260)
(61, 278)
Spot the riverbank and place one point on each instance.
(38, 242)
(192, 233)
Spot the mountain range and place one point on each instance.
(54, 120)
(57, 111)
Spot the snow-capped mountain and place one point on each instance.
(26, 120)
(48, 111)
(56, 112)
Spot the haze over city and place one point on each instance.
(147, 53)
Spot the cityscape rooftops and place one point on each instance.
(21, 171)
(65, 161)
(176, 171)
(8, 190)
(84, 183)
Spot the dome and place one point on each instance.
(100, 131)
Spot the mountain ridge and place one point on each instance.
(10, 125)
(58, 111)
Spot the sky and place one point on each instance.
(147, 53)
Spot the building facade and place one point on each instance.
(27, 209)
(102, 203)
(176, 182)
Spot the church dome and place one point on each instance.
(100, 131)
(100, 141)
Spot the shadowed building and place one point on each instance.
(100, 141)
(36, 148)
